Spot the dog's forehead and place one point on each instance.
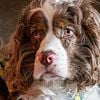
(52, 10)
(78, 2)
(42, 2)
(50, 6)
(60, 2)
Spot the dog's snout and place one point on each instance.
(47, 57)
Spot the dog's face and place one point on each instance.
(57, 40)
(57, 36)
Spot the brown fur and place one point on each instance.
(85, 63)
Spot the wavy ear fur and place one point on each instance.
(91, 25)
(22, 51)
(91, 41)
(19, 79)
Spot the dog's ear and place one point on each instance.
(18, 36)
(87, 21)
(91, 41)
(16, 77)
(91, 24)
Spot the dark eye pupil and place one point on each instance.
(35, 34)
(68, 31)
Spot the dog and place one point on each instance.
(55, 52)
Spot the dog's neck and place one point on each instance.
(58, 90)
(55, 89)
(55, 85)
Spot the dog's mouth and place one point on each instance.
(50, 76)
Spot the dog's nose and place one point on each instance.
(47, 57)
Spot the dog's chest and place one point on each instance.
(50, 91)
(62, 93)
(54, 91)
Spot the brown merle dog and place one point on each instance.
(55, 41)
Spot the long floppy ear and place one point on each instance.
(88, 20)
(22, 51)
(91, 41)
(16, 78)
(91, 25)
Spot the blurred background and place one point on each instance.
(9, 13)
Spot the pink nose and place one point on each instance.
(47, 57)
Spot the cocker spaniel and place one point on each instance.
(55, 52)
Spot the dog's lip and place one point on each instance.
(50, 75)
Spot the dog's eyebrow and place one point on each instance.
(38, 21)
(75, 11)
(62, 22)
(38, 15)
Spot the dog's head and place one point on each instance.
(56, 39)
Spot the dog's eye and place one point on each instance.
(69, 31)
(34, 33)
(37, 34)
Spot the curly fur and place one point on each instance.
(85, 59)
